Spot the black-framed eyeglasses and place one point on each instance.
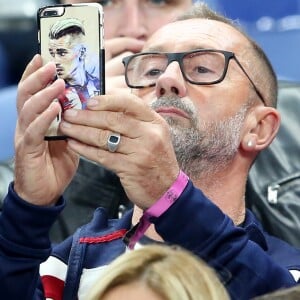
(201, 67)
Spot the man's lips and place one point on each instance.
(172, 111)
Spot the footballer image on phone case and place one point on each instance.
(72, 37)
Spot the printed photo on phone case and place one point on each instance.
(71, 37)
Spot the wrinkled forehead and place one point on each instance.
(196, 33)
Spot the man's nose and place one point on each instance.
(171, 81)
(56, 56)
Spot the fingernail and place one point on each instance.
(92, 102)
(70, 113)
(34, 59)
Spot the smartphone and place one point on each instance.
(71, 35)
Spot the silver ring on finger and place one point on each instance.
(113, 141)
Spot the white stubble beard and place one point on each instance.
(204, 148)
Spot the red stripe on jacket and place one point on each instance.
(105, 238)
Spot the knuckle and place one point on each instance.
(21, 118)
(113, 120)
(101, 138)
(157, 136)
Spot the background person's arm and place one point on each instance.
(115, 50)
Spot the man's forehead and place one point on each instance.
(65, 41)
(196, 33)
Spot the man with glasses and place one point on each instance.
(201, 109)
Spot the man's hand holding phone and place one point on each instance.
(42, 169)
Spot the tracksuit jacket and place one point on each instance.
(249, 261)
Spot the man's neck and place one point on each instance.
(226, 190)
(227, 193)
(78, 78)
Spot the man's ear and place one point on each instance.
(82, 53)
(262, 126)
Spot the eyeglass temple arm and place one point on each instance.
(254, 86)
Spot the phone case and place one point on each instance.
(71, 35)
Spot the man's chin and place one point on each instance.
(61, 75)
(177, 122)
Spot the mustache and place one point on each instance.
(174, 101)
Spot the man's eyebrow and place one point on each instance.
(61, 50)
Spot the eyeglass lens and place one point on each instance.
(197, 67)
